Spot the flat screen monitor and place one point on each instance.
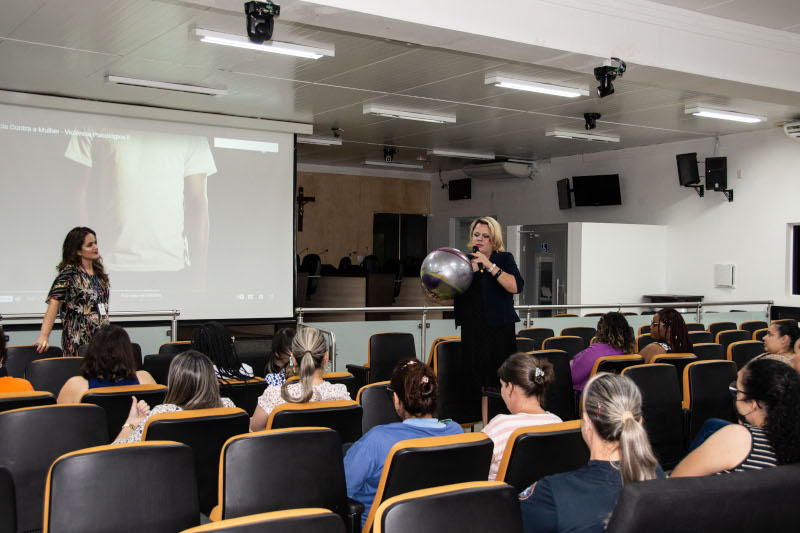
(687, 169)
(564, 199)
(596, 190)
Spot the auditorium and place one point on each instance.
(365, 266)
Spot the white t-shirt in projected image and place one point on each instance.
(137, 185)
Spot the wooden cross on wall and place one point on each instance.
(302, 200)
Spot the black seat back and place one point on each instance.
(205, 431)
(678, 360)
(642, 340)
(695, 326)
(698, 337)
(728, 337)
(51, 374)
(584, 332)
(343, 416)
(8, 508)
(18, 400)
(290, 521)
(716, 327)
(662, 410)
(572, 344)
(174, 348)
(708, 351)
(537, 334)
(157, 365)
(116, 401)
(243, 393)
(706, 394)
(615, 363)
(753, 325)
(345, 378)
(742, 352)
(384, 350)
(524, 344)
(253, 352)
(19, 357)
(377, 405)
(459, 396)
(560, 398)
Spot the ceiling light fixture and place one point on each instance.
(372, 109)
(379, 163)
(443, 152)
(276, 47)
(561, 134)
(724, 115)
(319, 139)
(536, 87)
(180, 87)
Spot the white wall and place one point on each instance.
(750, 232)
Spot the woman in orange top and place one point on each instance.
(9, 384)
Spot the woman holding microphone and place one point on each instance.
(485, 311)
(80, 293)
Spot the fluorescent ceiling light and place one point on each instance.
(180, 87)
(536, 87)
(583, 136)
(522, 161)
(276, 47)
(242, 144)
(319, 139)
(443, 152)
(395, 165)
(724, 115)
(372, 109)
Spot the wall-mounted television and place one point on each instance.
(687, 169)
(564, 199)
(596, 190)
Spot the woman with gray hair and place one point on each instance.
(620, 453)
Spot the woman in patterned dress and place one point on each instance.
(80, 293)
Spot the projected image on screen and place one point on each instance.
(194, 218)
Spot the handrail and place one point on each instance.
(173, 314)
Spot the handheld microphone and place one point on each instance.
(475, 249)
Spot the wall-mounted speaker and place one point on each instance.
(716, 173)
(460, 189)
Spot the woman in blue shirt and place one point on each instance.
(620, 453)
(413, 389)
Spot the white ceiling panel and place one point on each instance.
(15, 12)
(778, 14)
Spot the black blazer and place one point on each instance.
(498, 303)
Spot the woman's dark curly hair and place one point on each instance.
(776, 387)
(416, 387)
(73, 243)
(110, 355)
(677, 335)
(613, 329)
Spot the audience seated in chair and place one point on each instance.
(523, 384)
(767, 398)
(614, 337)
(310, 351)
(414, 388)
(619, 454)
(192, 384)
(779, 342)
(8, 383)
(213, 340)
(109, 362)
(281, 363)
(669, 334)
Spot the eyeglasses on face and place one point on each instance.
(733, 390)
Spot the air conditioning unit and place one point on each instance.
(792, 129)
(501, 170)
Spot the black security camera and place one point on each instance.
(591, 120)
(261, 19)
(388, 153)
(606, 74)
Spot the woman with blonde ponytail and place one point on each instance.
(620, 453)
(310, 351)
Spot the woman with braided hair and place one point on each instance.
(620, 453)
(213, 340)
(669, 334)
(767, 403)
(310, 351)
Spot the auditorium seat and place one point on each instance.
(641, 341)
(476, 506)
(615, 363)
(205, 431)
(158, 365)
(174, 348)
(459, 396)
(343, 416)
(537, 334)
(253, 479)
(534, 452)
(8, 510)
(32, 438)
(51, 374)
(695, 326)
(130, 488)
(253, 352)
(584, 332)
(436, 341)
(593, 314)
(243, 393)
(377, 406)
(18, 400)
(759, 334)
(644, 330)
(384, 350)
(19, 357)
(701, 337)
(711, 504)
(709, 351)
(560, 398)
(572, 344)
(753, 325)
(416, 464)
(662, 410)
(564, 315)
(291, 521)
(116, 401)
(524, 344)
(678, 360)
(716, 327)
(706, 395)
(727, 337)
(741, 352)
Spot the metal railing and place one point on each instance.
(173, 314)
(527, 309)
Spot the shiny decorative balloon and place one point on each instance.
(446, 272)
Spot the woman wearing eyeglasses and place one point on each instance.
(767, 403)
(669, 334)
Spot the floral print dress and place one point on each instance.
(80, 295)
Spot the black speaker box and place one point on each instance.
(460, 189)
(716, 173)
